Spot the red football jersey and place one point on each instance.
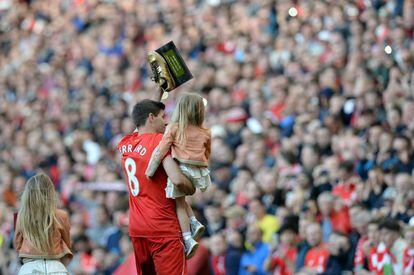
(317, 258)
(151, 213)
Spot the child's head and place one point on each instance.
(189, 110)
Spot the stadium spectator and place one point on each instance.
(268, 223)
(340, 258)
(316, 257)
(408, 258)
(218, 254)
(42, 237)
(234, 252)
(283, 255)
(332, 219)
(387, 255)
(252, 260)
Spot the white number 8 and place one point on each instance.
(131, 168)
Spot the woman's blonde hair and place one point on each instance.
(189, 111)
(37, 215)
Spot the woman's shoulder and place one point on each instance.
(198, 128)
(206, 131)
(62, 214)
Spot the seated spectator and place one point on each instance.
(268, 223)
(408, 258)
(235, 219)
(218, 256)
(317, 256)
(283, 255)
(345, 189)
(340, 256)
(303, 245)
(359, 237)
(234, 252)
(364, 251)
(387, 255)
(332, 219)
(253, 259)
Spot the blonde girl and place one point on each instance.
(190, 145)
(42, 237)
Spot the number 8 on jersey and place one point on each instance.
(131, 168)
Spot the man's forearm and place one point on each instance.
(158, 94)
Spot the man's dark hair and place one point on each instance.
(142, 110)
(390, 224)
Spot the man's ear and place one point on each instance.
(151, 117)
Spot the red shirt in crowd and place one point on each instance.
(381, 258)
(151, 213)
(284, 264)
(408, 261)
(340, 220)
(346, 192)
(219, 265)
(359, 253)
(317, 258)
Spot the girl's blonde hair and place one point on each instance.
(189, 111)
(37, 215)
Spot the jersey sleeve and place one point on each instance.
(160, 152)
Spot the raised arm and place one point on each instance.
(177, 177)
(158, 95)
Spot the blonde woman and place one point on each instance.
(42, 237)
(190, 145)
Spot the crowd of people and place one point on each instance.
(310, 106)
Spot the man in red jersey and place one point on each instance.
(153, 227)
(317, 257)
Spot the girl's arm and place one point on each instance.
(208, 147)
(159, 153)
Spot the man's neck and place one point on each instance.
(145, 130)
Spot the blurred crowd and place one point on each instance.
(311, 107)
